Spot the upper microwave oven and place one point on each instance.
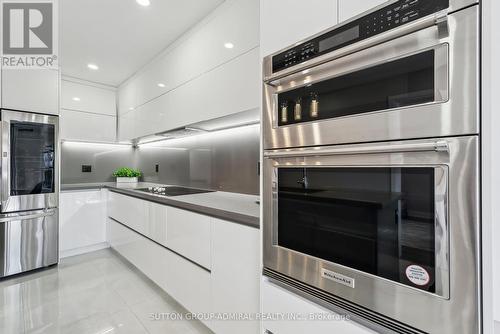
(406, 70)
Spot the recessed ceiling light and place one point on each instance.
(144, 3)
(228, 45)
(76, 99)
(162, 85)
(93, 67)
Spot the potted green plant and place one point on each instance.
(127, 175)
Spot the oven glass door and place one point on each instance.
(414, 79)
(385, 221)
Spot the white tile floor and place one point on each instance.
(96, 293)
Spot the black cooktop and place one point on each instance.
(173, 191)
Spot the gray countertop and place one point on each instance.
(240, 208)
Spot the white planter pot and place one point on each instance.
(127, 179)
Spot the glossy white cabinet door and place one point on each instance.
(127, 97)
(84, 126)
(285, 22)
(201, 49)
(81, 97)
(186, 282)
(189, 234)
(351, 8)
(227, 89)
(129, 211)
(127, 127)
(157, 229)
(235, 275)
(276, 300)
(31, 90)
(82, 222)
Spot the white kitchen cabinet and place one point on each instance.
(129, 211)
(82, 223)
(208, 265)
(88, 98)
(127, 127)
(199, 51)
(285, 22)
(276, 300)
(351, 8)
(189, 234)
(202, 49)
(235, 275)
(188, 283)
(31, 90)
(88, 112)
(199, 77)
(83, 126)
(127, 99)
(228, 89)
(157, 224)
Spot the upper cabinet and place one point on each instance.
(284, 22)
(211, 71)
(88, 98)
(31, 90)
(88, 112)
(351, 8)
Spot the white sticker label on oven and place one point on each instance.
(417, 275)
(338, 278)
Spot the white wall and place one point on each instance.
(491, 164)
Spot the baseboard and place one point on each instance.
(83, 250)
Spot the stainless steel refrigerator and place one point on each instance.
(29, 192)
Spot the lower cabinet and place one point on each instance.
(129, 211)
(188, 283)
(276, 301)
(235, 276)
(208, 265)
(82, 222)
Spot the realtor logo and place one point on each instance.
(29, 34)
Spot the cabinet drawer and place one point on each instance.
(186, 282)
(276, 300)
(129, 211)
(189, 234)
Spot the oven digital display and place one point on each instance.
(339, 39)
(394, 15)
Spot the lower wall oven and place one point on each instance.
(389, 231)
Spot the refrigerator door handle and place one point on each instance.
(26, 216)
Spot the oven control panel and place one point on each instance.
(377, 22)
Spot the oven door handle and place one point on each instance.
(438, 146)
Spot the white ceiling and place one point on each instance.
(121, 36)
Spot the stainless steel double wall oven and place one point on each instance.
(29, 192)
(371, 167)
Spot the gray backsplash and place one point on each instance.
(225, 160)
